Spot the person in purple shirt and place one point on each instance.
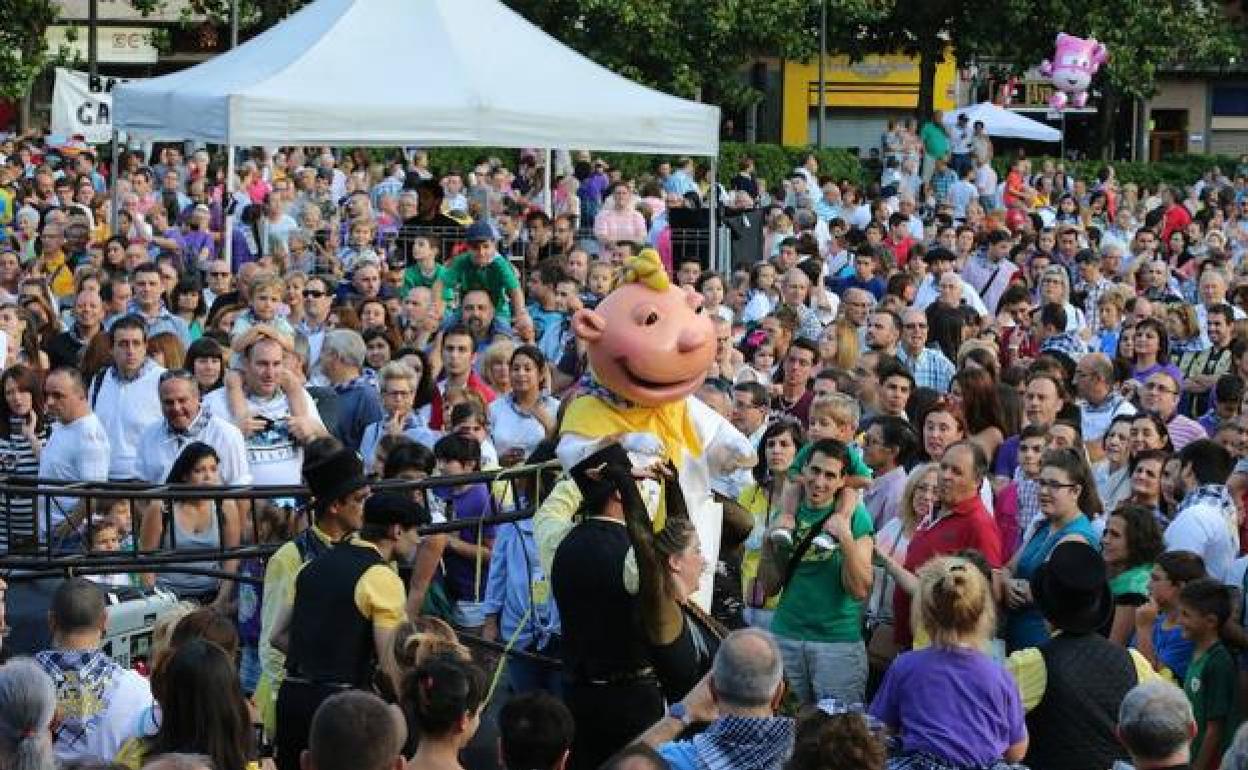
(198, 245)
(466, 560)
(952, 702)
(1152, 352)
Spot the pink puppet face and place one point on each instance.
(1075, 62)
(647, 346)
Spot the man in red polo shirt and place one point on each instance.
(961, 522)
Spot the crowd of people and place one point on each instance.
(1001, 431)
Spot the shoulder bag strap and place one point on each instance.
(800, 552)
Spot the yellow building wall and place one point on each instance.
(887, 81)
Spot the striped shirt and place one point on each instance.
(17, 457)
(1184, 430)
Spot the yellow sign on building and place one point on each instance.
(888, 81)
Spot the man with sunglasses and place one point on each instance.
(219, 281)
(318, 299)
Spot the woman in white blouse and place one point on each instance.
(523, 417)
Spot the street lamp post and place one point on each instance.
(823, 54)
(93, 51)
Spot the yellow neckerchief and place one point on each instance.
(593, 417)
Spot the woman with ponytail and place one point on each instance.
(951, 704)
(27, 703)
(682, 638)
(444, 697)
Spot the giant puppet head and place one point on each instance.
(648, 341)
(1074, 63)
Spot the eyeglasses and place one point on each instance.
(1054, 484)
(914, 326)
(175, 374)
(313, 294)
(1158, 387)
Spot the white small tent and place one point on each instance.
(412, 72)
(1004, 123)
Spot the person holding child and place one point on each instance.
(818, 621)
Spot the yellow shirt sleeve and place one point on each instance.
(1144, 670)
(380, 597)
(132, 753)
(1029, 672)
(278, 590)
(553, 519)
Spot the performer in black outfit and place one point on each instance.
(682, 638)
(611, 686)
(347, 606)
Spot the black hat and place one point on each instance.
(386, 508)
(335, 475)
(1072, 589)
(610, 465)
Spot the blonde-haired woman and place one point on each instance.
(1055, 288)
(496, 365)
(918, 500)
(951, 704)
(848, 346)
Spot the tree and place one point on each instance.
(1144, 37)
(926, 29)
(690, 48)
(24, 49)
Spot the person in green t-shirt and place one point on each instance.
(819, 620)
(935, 143)
(1211, 683)
(1131, 543)
(482, 267)
(426, 271)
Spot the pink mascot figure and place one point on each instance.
(649, 349)
(1074, 63)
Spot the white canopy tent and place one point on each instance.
(413, 73)
(1004, 123)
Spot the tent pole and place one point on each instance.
(550, 194)
(712, 195)
(115, 203)
(227, 236)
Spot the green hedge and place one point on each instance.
(772, 161)
(1176, 170)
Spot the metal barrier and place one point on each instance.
(515, 494)
(694, 241)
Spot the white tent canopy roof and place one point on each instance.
(1004, 123)
(412, 72)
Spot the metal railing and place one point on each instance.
(515, 493)
(449, 241)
